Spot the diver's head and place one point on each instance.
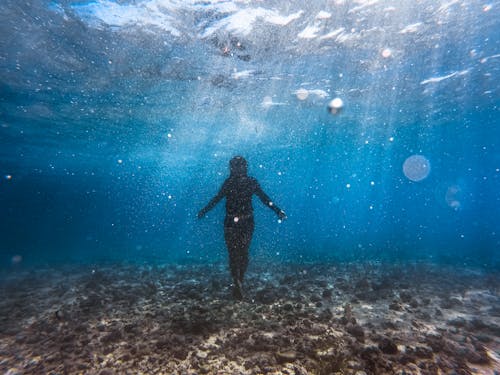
(238, 166)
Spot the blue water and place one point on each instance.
(118, 120)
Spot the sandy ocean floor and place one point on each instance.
(295, 319)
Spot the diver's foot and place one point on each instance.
(237, 292)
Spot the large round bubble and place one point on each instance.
(416, 167)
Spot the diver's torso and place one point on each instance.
(239, 191)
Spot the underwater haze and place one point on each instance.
(118, 120)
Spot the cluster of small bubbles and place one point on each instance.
(335, 106)
(416, 168)
(16, 259)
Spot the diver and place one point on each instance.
(238, 190)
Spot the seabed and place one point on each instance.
(346, 318)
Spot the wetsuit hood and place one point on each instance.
(238, 166)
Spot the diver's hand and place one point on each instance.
(282, 215)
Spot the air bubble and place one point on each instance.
(386, 53)
(302, 94)
(335, 106)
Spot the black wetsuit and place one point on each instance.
(238, 223)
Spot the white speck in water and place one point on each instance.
(372, 183)
(348, 186)
(8, 177)
(169, 135)
(270, 203)
(120, 161)
(236, 219)
(391, 139)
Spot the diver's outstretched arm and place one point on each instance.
(213, 202)
(267, 201)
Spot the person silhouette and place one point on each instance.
(238, 190)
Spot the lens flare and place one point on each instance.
(416, 168)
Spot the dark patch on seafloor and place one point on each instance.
(296, 319)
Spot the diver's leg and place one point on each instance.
(233, 264)
(246, 238)
(231, 237)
